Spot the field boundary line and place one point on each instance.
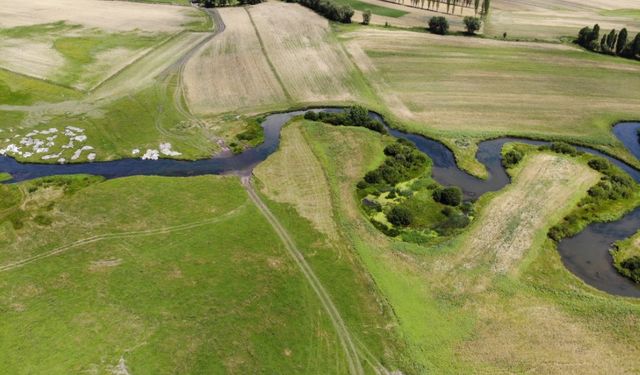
(266, 56)
(120, 235)
(350, 351)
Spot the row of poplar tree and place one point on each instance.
(613, 43)
(480, 6)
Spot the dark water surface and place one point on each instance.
(586, 254)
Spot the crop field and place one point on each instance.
(457, 87)
(273, 55)
(231, 72)
(551, 20)
(79, 48)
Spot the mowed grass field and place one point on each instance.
(272, 56)
(509, 306)
(175, 275)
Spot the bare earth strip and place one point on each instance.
(299, 43)
(294, 175)
(107, 15)
(231, 72)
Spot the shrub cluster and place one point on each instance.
(614, 185)
(512, 158)
(472, 24)
(328, 9)
(403, 162)
(613, 43)
(353, 116)
(400, 216)
(455, 219)
(632, 265)
(450, 196)
(224, 3)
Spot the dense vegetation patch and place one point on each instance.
(252, 136)
(401, 199)
(612, 43)
(328, 9)
(353, 116)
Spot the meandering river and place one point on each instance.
(586, 254)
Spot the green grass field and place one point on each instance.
(174, 284)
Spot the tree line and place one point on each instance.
(224, 3)
(612, 43)
(328, 9)
(479, 6)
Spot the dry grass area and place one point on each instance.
(106, 15)
(272, 55)
(143, 73)
(305, 54)
(549, 19)
(482, 87)
(231, 72)
(294, 175)
(30, 57)
(545, 187)
(530, 335)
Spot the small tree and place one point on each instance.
(400, 216)
(366, 17)
(622, 42)
(438, 25)
(472, 24)
(635, 46)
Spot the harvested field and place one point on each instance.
(33, 58)
(294, 175)
(231, 72)
(480, 87)
(272, 55)
(299, 43)
(547, 19)
(106, 15)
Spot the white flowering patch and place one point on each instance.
(91, 157)
(78, 152)
(165, 149)
(135, 151)
(151, 155)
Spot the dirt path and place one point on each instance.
(350, 351)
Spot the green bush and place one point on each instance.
(438, 25)
(633, 266)
(450, 196)
(512, 158)
(400, 216)
(472, 24)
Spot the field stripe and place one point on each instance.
(264, 52)
(350, 351)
